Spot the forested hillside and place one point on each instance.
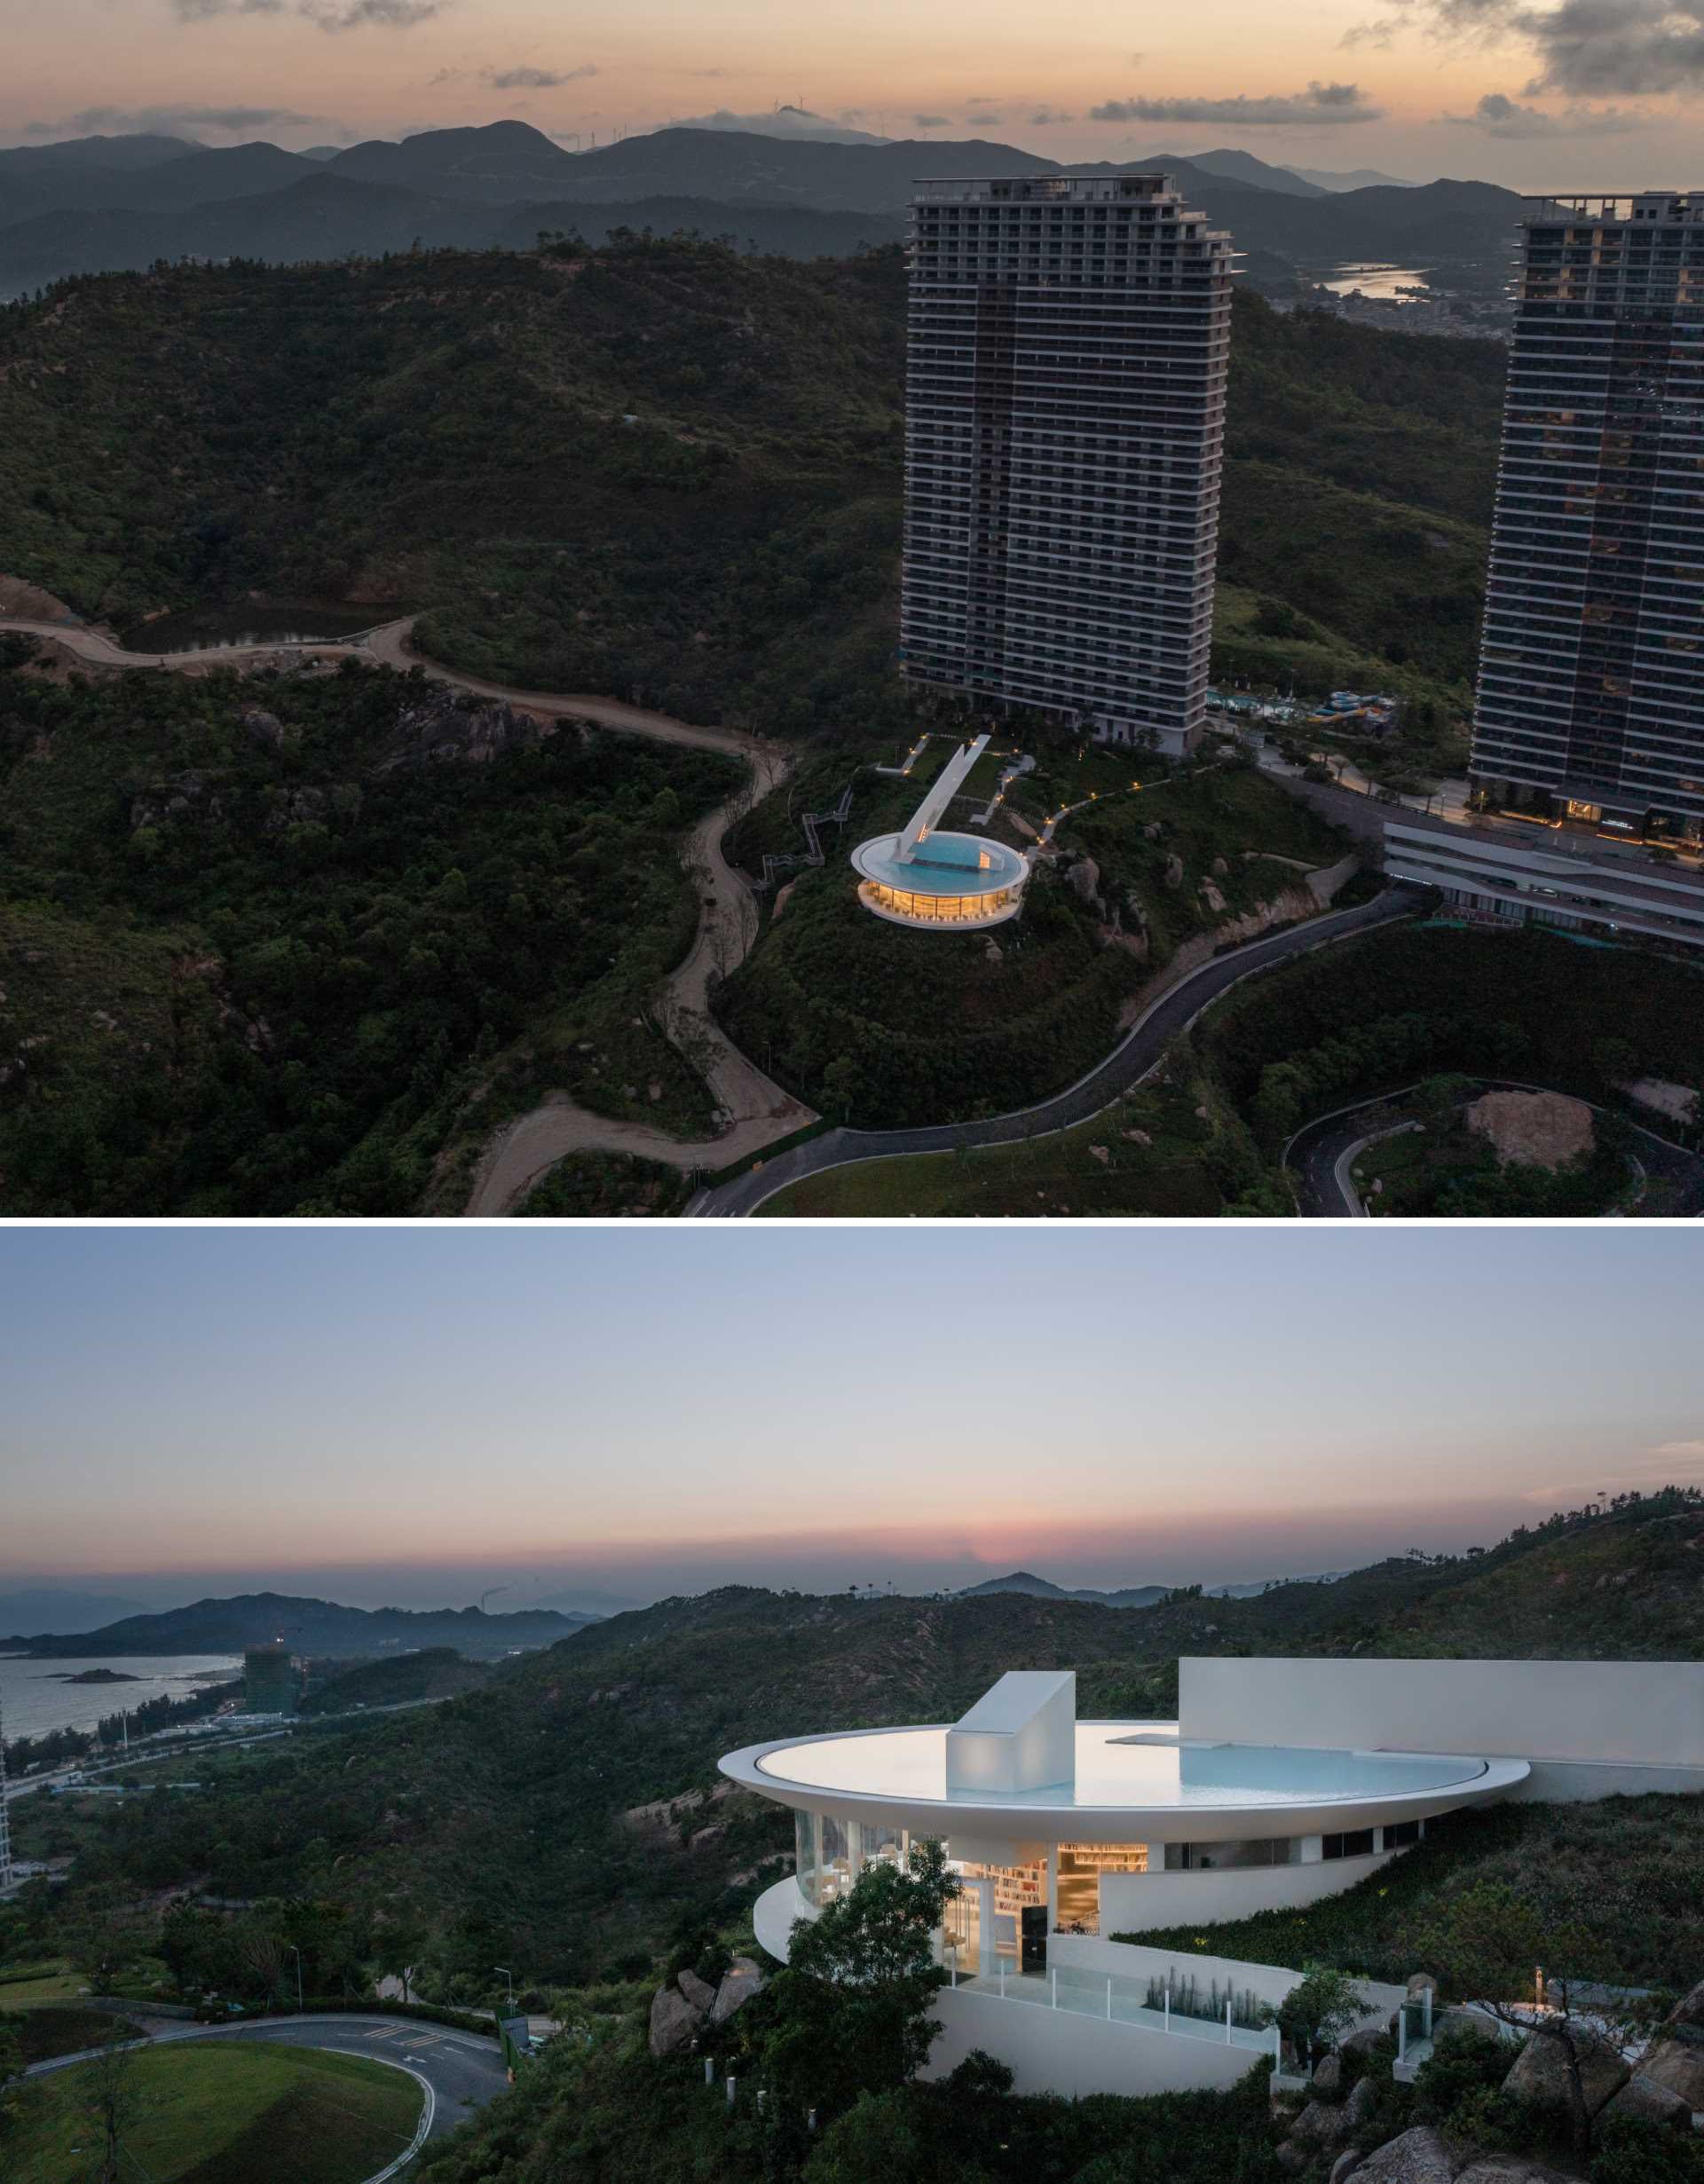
(567, 1818)
(663, 467)
(262, 942)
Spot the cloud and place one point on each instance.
(1318, 103)
(1045, 117)
(328, 14)
(1693, 1449)
(1498, 116)
(336, 15)
(167, 121)
(1587, 49)
(981, 120)
(931, 121)
(534, 79)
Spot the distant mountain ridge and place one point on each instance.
(1128, 1595)
(105, 204)
(307, 1626)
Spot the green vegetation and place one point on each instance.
(1376, 1013)
(659, 467)
(435, 1672)
(1615, 1881)
(611, 2115)
(588, 1186)
(266, 948)
(62, 2030)
(1435, 1164)
(882, 1027)
(1182, 1170)
(217, 2112)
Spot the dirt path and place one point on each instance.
(755, 1108)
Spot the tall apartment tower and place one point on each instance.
(5, 1814)
(1065, 418)
(1592, 671)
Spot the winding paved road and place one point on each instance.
(1317, 1153)
(1128, 1063)
(462, 2070)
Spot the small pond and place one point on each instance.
(207, 629)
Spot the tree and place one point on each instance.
(851, 2013)
(12, 2065)
(112, 2103)
(1489, 1945)
(1322, 2006)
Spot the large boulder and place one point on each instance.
(1320, 2128)
(1651, 2104)
(1328, 2074)
(1363, 2099)
(1345, 2165)
(698, 1991)
(1675, 2058)
(739, 1983)
(1541, 2074)
(1421, 2156)
(674, 2023)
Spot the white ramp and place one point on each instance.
(942, 791)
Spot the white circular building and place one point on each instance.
(1061, 1827)
(934, 878)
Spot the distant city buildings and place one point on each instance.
(5, 1813)
(1068, 339)
(1591, 677)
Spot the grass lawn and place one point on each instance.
(42, 1983)
(1053, 1175)
(222, 2113)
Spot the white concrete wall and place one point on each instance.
(1566, 1782)
(1269, 1983)
(1060, 2051)
(1646, 1713)
(1132, 1902)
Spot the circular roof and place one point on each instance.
(944, 864)
(1140, 1772)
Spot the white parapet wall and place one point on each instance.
(1064, 2052)
(1590, 1728)
(1134, 1960)
(1133, 1903)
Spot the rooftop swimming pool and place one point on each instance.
(1122, 1764)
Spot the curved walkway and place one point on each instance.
(455, 2070)
(757, 1110)
(1321, 1155)
(1173, 1012)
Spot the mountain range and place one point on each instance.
(111, 203)
(1128, 1595)
(307, 1626)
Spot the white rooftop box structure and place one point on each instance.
(1020, 1736)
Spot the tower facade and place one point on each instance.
(1591, 672)
(1068, 338)
(6, 1812)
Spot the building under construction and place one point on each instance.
(270, 1681)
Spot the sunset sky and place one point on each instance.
(417, 1415)
(1582, 93)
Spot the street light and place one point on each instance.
(297, 1953)
(510, 1976)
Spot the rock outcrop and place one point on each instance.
(1650, 2102)
(443, 728)
(674, 2023)
(698, 1991)
(1675, 2059)
(1419, 2156)
(1541, 2074)
(739, 1983)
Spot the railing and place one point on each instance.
(1118, 2000)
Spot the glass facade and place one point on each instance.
(829, 1853)
(941, 908)
(1206, 1857)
